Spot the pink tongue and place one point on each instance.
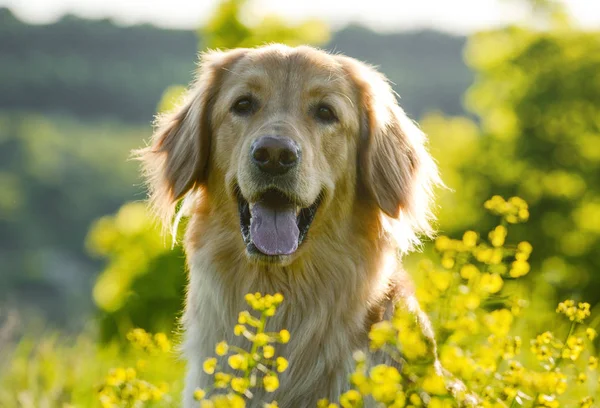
(274, 230)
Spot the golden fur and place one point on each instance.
(371, 170)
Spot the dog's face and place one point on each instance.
(291, 137)
(285, 127)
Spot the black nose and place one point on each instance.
(275, 155)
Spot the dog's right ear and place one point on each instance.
(177, 159)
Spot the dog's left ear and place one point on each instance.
(393, 163)
(177, 159)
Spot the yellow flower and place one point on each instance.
(434, 384)
(221, 348)
(239, 329)
(499, 322)
(207, 404)
(268, 301)
(496, 203)
(323, 403)
(270, 382)
(268, 351)
(586, 402)
(284, 336)
(593, 363)
(384, 374)
(470, 239)
(199, 394)
(360, 381)
(239, 384)
(162, 342)
(583, 311)
(140, 338)
(441, 279)
(351, 399)
(252, 298)
(271, 405)
(238, 362)
(509, 392)
(222, 380)
(261, 339)
(116, 376)
(483, 254)
(282, 364)
(381, 333)
(413, 346)
(469, 271)
(156, 394)
(525, 247)
(591, 333)
(399, 401)
(469, 301)
(573, 349)
(574, 313)
(235, 401)
(448, 261)
(497, 236)
(523, 215)
(130, 373)
(209, 365)
(581, 378)
(519, 268)
(385, 392)
(440, 403)
(442, 243)
(490, 283)
(415, 400)
(243, 317)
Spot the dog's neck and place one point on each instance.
(342, 282)
(345, 259)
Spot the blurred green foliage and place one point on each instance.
(142, 273)
(537, 95)
(227, 28)
(54, 178)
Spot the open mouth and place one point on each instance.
(274, 225)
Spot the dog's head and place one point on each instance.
(293, 138)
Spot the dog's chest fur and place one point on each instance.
(328, 308)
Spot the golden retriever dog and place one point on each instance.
(301, 175)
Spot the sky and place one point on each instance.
(455, 16)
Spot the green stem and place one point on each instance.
(251, 363)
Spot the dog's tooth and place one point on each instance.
(298, 209)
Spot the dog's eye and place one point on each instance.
(325, 114)
(244, 106)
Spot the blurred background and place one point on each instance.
(508, 91)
